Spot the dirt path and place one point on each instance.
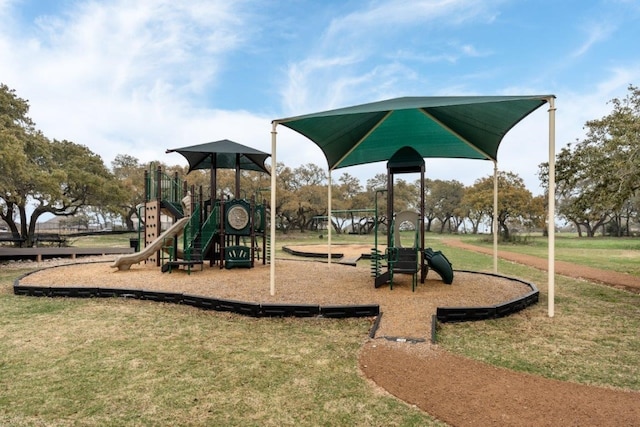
(610, 278)
(464, 392)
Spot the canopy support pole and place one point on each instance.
(237, 191)
(214, 179)
(329, 224)
(421, 225)
(551, 227)
(272, 258)
(495, 217)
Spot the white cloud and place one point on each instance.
(451, 53)
(123, 45)
(121, 77)
(367, 35)
(301, 90)
(595, 33)
(385, 15)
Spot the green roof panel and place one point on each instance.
(443, 127)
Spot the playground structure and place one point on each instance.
(226, 231)
(437, 127)
(400, 259)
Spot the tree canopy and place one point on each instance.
(515, 202)
(40, 176)
(597, 178)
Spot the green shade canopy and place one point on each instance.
(469, 127)
(466, 127)
(223, 154)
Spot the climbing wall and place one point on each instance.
(152, 227)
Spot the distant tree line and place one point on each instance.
(597, 181)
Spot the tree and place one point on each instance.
(309, 175)
(376, 195)
(130, 174)
(302, 196)
(537, 213)
(310, 187)
(582, 187)
(285, 188)
(82, 180)
(430, 205)
(514, 200)
(597, 176)
(406, 196)
(15, 128)
(445, 197)
(378, 182)
(41, 176)
(474, 208)
(346, 193)
(618, 135)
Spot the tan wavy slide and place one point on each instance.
(124, 262)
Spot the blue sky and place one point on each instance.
(139, 77)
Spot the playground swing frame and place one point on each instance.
(325, 218)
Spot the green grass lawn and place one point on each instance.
(118, 362)
(619, 254)
(123, 362)
(103, 240)
(593, 337)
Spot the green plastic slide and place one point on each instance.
(440, 264)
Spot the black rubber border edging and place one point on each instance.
(465, 314)
(311, 254)
(443, 314)
(198, 301)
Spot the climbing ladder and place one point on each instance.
(376, 262)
